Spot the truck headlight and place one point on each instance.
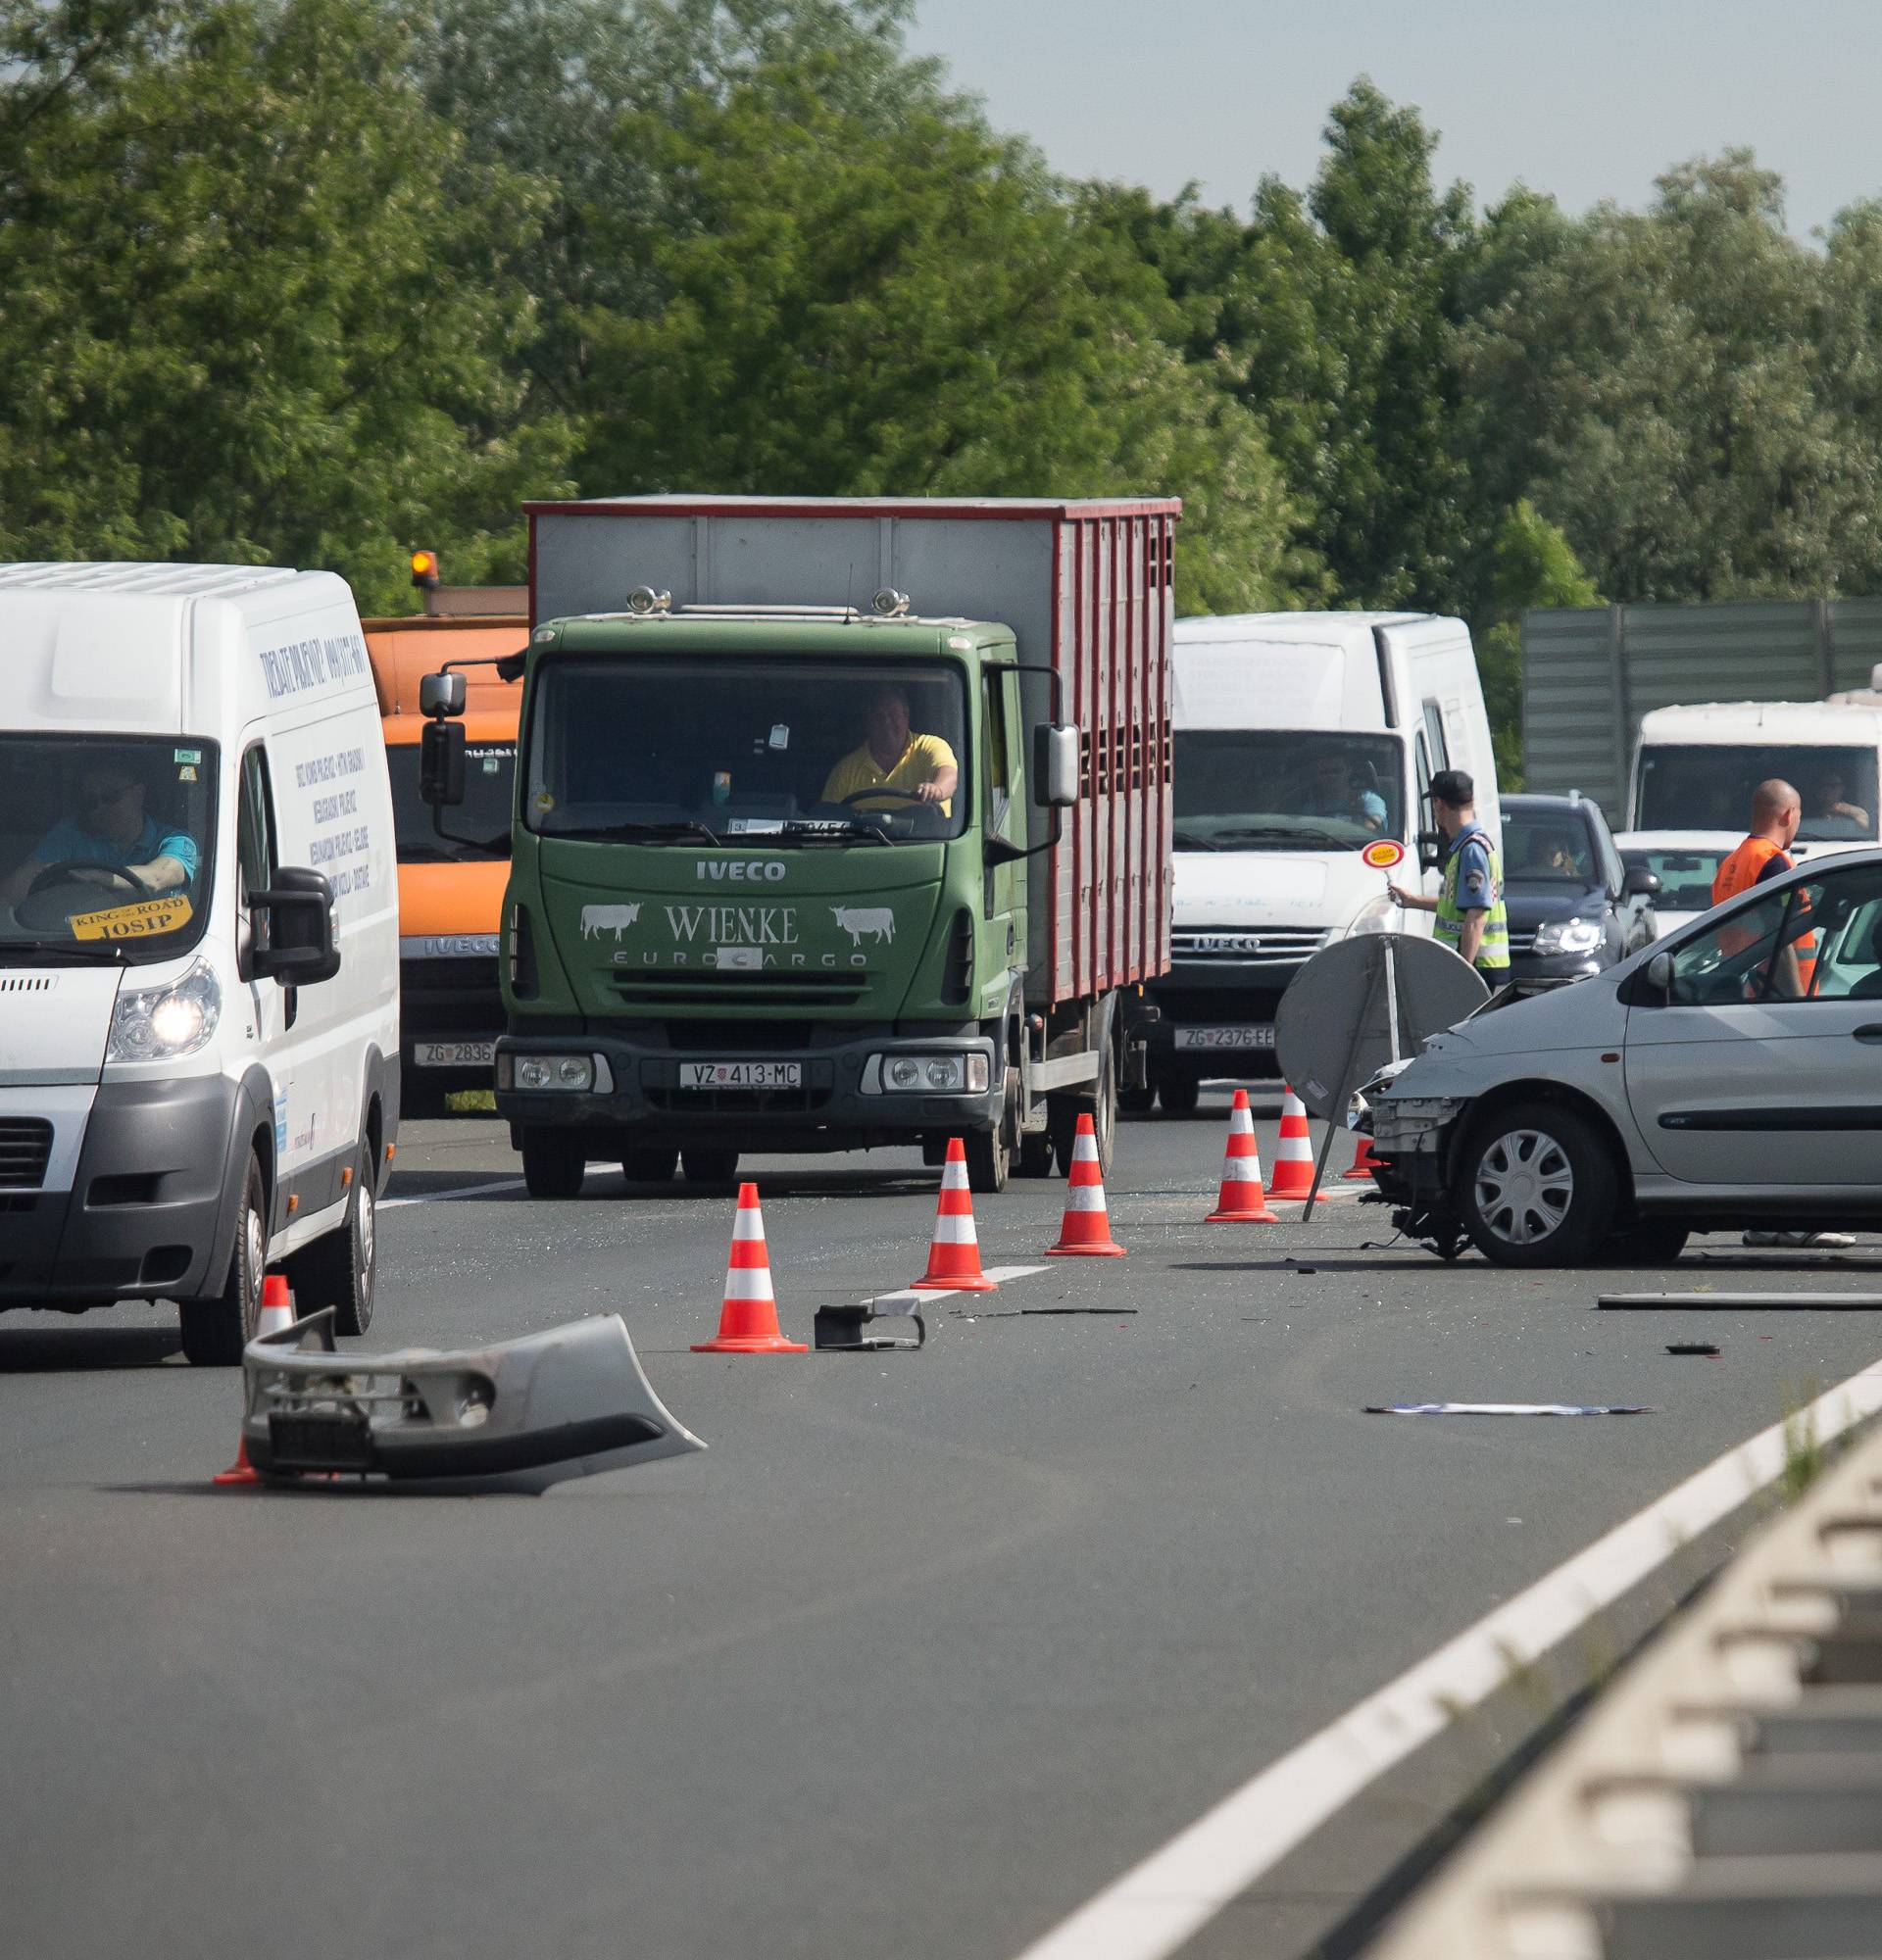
(944, 1074)
(574, 1073)
(168, 1022)
(1568, 936)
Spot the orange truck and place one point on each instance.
(450, 883)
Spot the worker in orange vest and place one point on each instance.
(1776, 812)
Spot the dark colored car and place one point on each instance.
(1575, 910)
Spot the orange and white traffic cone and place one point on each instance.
(277, 1307)
(1242, 1201)
(748, 1316)
(1085, 1232)
(954, 1252)
(1294, 1154)
(1362, 1162)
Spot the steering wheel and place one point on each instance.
(885, 790)
(54, 873)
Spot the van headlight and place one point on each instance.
(1568, 936)
(1379, 916)
(168, 1022)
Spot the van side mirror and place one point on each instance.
(1055, 765)
(441, 759)
(442, 694)
(1430, 850)
(293, 921)
(1640, 883)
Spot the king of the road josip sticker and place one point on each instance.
(138, 921)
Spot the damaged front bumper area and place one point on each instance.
(1412, 1146)
(572, 1401)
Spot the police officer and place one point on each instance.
(1471, 920)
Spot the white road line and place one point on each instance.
(461, 1191)
(1000, 1275)
(1160, 1903)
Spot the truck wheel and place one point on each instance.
(339, 1269)
(709, 1166)
(990, 1151)
(553, 1163)
(643, 1165)
(1035, 1157)
(1538, 1187)
(1179, 1094)
(217, 1329)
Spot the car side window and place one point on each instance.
(1821, 939)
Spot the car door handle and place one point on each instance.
(1870, 1031)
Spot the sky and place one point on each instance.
(1588, 99)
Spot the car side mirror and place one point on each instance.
(441, 759)
(294, 929)
(1640, 883)
(1055, 765)
(1660, 975)
(1430, 850)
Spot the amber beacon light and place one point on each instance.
(425, 570)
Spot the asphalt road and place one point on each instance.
(923, 1653)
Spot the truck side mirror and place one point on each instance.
(441, 759)
(1055, 765)
(442, 694)
(1430, 850)
(297, 947)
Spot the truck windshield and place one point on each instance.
(662, 751)
(1688, 787)
(479, 826)
(1274, 789)
(106, 845)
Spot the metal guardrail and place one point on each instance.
(1722, 1798)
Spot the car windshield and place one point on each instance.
(1685, 876)
(1240, 789)
(1693, 788)
(106, 845)
(477, 829)
(1546, 849)
(656, 751)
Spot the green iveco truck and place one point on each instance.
(839, 825)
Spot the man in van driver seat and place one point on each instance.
(890, 758)
(110, 826)
(1339, 791)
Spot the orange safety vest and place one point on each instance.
(1739, 873)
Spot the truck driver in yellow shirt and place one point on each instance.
(890, 758)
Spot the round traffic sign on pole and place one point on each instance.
(1386, 853)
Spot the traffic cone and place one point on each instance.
(953, 1253)
(1242, 1201)
(1294, 1154)
(277, 1307)
(1362, 1162)
(1086, 1230)
(748, 1317)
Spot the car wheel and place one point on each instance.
(1538, 1187)
(709, 1166)
(1179, 1094)
(1652, 1244)
(339, 1269)
(216, 1330)
(640, 1164)
(554, 1163)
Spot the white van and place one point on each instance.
(1300, 739)
(199, 944)
(1695, 768)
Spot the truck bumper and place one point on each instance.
(639, 1088)
(150, 1206)
(1217, 1016)
(446, 1002)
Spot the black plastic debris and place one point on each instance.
(838, 1330)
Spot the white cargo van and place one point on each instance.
(199, 944)
(1300, 739)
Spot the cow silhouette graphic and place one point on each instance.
(877, 923)
(597, 919)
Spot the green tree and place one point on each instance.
(235, 324)
(853, 309)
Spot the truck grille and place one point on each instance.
(760, 989)
(1268, 942)
(25, 1148)
(471, 975)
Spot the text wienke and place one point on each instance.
(733, 925)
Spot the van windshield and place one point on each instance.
(1274, 789)
(106, 845)
(660, 750)
(1689, 787)
(478, 827)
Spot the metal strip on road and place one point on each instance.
(1160, 1903)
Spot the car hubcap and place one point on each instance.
(1524, 1187)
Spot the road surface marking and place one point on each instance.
(459, 1190)
(999, 1275)
(1160, 1903)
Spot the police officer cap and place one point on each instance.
(1453, 788)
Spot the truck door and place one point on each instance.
(1003, 812)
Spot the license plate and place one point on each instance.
(455, 1055)
(326, 1440)
(741, 1074)
(1255, 1037)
